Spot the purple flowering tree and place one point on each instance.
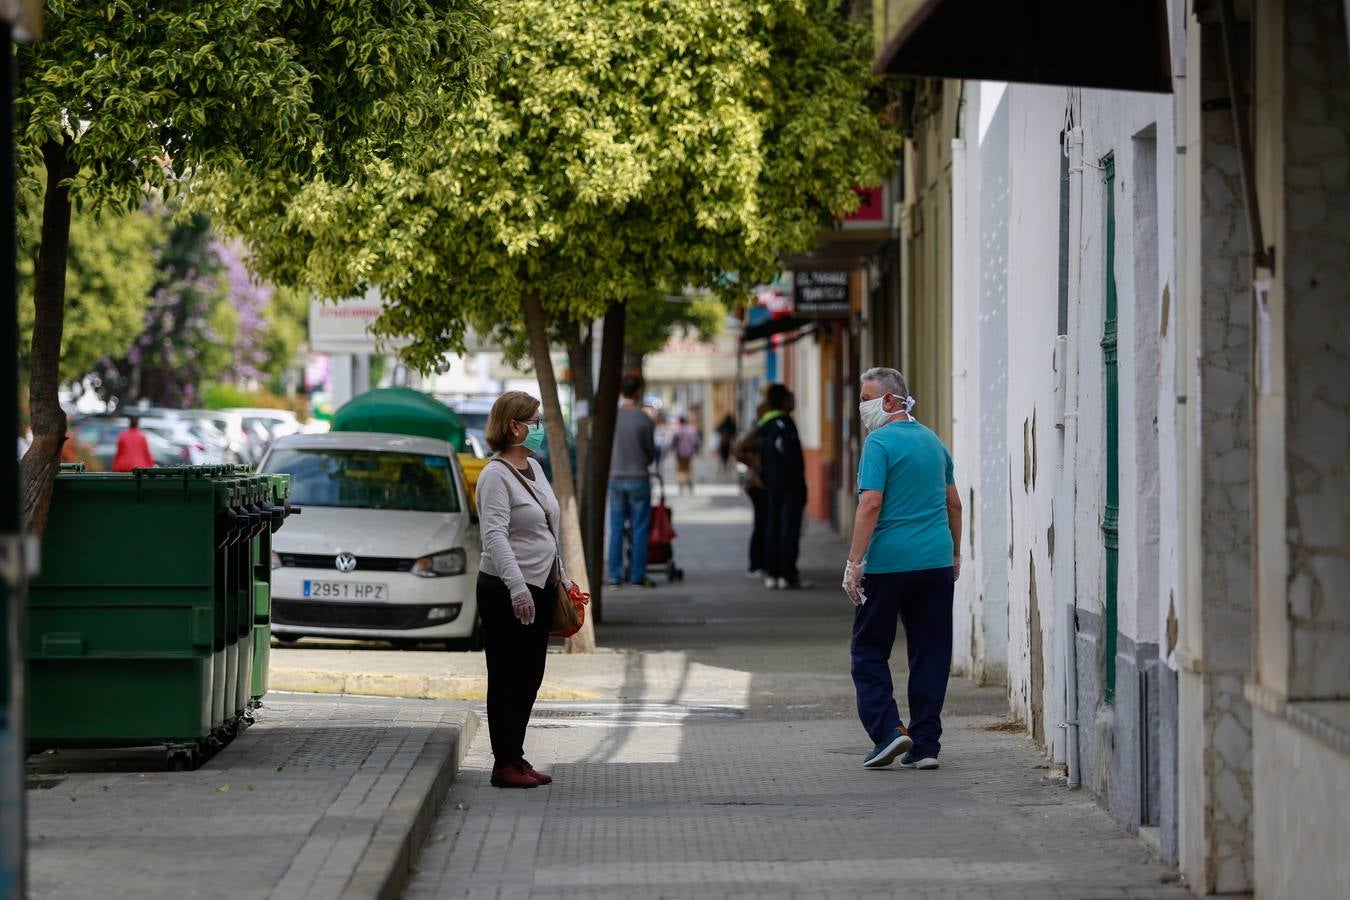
(251, 299)
(188, 327)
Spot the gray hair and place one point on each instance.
(889, 380)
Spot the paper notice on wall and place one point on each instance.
(1262, 286)
(1199, 407)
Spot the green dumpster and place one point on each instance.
(278, 499)
(140, 628)
(121, 623)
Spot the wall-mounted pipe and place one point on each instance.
(1066, 501)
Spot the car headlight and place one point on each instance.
(437, 565)
(276, 560)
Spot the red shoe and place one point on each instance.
(540, 777)
(512, 775)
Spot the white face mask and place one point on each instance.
(873, 412)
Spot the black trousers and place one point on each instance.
(759, 498)
(922, 602)
(783, 533)
(515, 663)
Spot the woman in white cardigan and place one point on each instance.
(516, 580)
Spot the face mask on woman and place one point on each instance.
(534, 436)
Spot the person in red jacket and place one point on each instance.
(133, 450)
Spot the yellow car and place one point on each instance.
(472, 461)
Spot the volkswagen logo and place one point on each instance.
(345, 562)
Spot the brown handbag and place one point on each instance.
(569, 607)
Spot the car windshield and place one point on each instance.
(475, 420)
(367, 479)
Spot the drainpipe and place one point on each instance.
(1065, 526)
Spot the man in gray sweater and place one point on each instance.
(630, 486)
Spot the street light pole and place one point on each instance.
(12, 556)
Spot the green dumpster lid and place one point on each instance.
(401, 410)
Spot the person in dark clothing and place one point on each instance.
(726, 440)
(782, 468)
(747, 454)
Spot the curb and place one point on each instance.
(388, 684)
(387, 861)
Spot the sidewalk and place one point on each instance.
(721, 758)
(323, 798)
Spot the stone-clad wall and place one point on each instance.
(1316, 259)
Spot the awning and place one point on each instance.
(1080, 43)
(770, 327)
(835, 250)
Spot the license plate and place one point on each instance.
(345, 590)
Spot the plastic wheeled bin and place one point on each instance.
(121, 624)
(278, 509)
(140, 627)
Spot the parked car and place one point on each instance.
(276, 423)
(245, 445)
(187, 438)
(474, 414)
(473, 460)
(100, 433)
(387, 548)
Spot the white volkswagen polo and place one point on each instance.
(387, 547)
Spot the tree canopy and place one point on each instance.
(144, 95)
(120, 98)
(621, 148)
(109, 277)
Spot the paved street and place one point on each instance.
(311, 802)
(721, 758)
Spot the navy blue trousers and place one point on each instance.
(922, 602)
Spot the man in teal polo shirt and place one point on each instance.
(908, 526)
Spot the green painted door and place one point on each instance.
(1111, 513)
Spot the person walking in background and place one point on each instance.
(903, 564)
(133, 450)
(687, 444)
(726, 440)
(517, 578)
(782, 467)
(747, 454)
(630, 486)
(663, 435)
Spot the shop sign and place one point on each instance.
(821, 294)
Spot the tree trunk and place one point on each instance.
(583, 386)
(43, 459)
(603, 417)
(564, 485)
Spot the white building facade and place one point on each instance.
(1150, 422)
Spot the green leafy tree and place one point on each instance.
(651, 324)
(621, 146)
(109, 276)
(120, 97)
(190, 329)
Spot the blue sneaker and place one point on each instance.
(914, 761)
(887, 749)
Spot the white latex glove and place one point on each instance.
(853, 573)
(523, 606)
(956, 567)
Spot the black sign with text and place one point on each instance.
(820, 294)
